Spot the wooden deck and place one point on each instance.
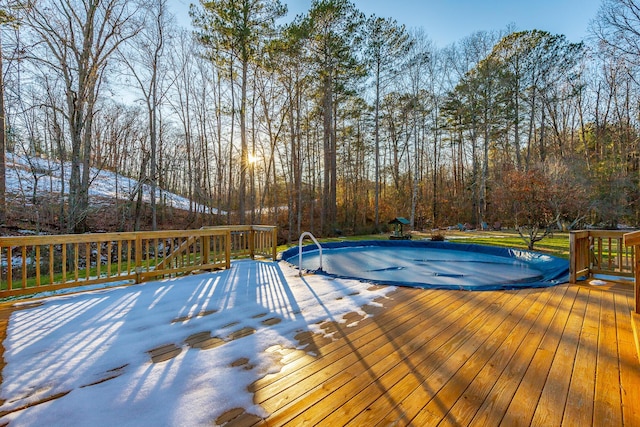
(557, 356)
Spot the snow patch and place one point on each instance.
(23, 173)
(91, 351)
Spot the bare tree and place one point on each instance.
(617, 26)
(74, 39)
(143, 57)
(6, 18)
(184, 75)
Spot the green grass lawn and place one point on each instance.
(556, 244)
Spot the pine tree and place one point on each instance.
(332, 30)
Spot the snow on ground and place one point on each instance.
(72, 343)
(22, 172)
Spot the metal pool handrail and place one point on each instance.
(302, 236)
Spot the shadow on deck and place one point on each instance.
(556, 356)
(563, 355)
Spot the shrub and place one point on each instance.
(437, 235)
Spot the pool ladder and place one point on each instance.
(302, 236)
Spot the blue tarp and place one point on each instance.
(441, 265)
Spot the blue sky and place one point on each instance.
(449, 21)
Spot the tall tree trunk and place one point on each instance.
(327, 111)
(293, 194)
(231, 135)
(377, 149)
(244, 151)
(299, 163)
(3, 145)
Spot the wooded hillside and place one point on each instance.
(334, 122)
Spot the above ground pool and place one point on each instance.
(427, 264)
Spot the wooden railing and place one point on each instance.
(633, 240)
(33, 264)
(260, 240)
(599, 252)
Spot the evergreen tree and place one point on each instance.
(387, 43)
(238, 29)
(332, 30)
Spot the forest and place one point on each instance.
(332, 122)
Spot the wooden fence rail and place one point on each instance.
(600, 252)
(33, 264)
(633, 240)
(608, 253)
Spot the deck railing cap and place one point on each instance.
(632, 238)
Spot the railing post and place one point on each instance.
(636, 258)
(637, 280)
(573, 255)
(274, 242)
(227, 249)
(633, 239)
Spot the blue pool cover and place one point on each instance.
(440, 265)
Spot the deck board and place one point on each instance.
(312, 376)
(367, 331)
(607, 409)
(627, 359)
(556, 356)
(579, 406)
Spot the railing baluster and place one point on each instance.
(130, 262)
(64, 262)
(51, 264)
(37, 265)
(109, 250)
(24, 267)
(9, 268)
(76, 258)
(87, 262)
(156, 250)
